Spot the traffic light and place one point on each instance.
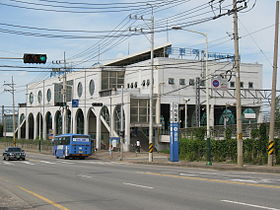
(34, 58)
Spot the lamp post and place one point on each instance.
(207, 78)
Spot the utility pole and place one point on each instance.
(273, 91)
(12, 91)
(237, 91)
(122, 129)
(64, 95)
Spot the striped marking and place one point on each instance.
(248, 204)
(270, 147)
(43, 198)
(214, 180)
(43, 161)
(151, 148)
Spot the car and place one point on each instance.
(14, 153)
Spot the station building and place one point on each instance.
(94, 97)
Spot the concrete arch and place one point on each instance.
(48, 122)
(92, 125)
(31, 125)
(80, 121)
(58, 122)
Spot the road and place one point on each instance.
(43, 182)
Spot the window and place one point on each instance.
(171, 81)
(128, 85)
(49, 95)
(143, 83)
(39, 96)
(31, 98)
(251, 85)
(135, 84)
(241, 84)
(191, 82)
(182, 81)
(232, 84)
(91, 87)
(80, 89)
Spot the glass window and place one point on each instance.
(182, 82)
(232, 84)
(49, 95)
(31, 98)
(128, 85)
(40, 96)
(250, 84)
(171, 81)
(91, 87)
(80, 89)
(191, 82)
(241, 84)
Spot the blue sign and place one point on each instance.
(216, 83)
(174, 141)
(75, 103)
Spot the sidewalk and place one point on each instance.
(163, 159)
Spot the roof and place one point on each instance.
(146, 55)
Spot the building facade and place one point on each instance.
(94, 98)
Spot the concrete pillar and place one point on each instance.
(86, 119)
(126, 126)
(35, 127)
(54, 124)
(45, 137)
(27, 128)
(98, 132)
(73, 116)
(19, 130)
(212, 115)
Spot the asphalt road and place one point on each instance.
(43, 182)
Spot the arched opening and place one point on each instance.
(58, 122)
(68, 123)
(117, 119)
(80, 121)
(31, 126)
(105, 134)
(49, 122)
(23, 126)
(39, 121)
(91, 124)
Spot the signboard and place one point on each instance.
(174, 113)
(75, 103)
(114, 141)
(216, 83)
(51, 134)
(174, 141)
(224, 84)
(250, 115)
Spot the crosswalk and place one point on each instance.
(34, 162)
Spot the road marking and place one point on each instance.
(85, 176)
(138, 185)
(248, 204)
(65, 162)
(244, 180)
(43, 198)
(8, 163)
(43, 161)
(28, 163)
(213, 180)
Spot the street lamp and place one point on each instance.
(207, 78)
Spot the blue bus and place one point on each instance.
(72, 146)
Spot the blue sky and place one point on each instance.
(256, 31)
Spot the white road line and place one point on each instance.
(248, 204)
(8, 163)
(84, 176)
(65, 162)
(28, 163)
(138, 185)
(43, 161)
(244, 180)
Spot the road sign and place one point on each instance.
(75, 103)
(216, 83)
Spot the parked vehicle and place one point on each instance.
(14, 153)
(72, 146)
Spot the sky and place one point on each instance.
(92, 31)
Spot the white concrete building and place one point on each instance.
(174, 81)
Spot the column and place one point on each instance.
(126, 127)
(35, 127)
(98, 132)
(212, 115)
(27, 128)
